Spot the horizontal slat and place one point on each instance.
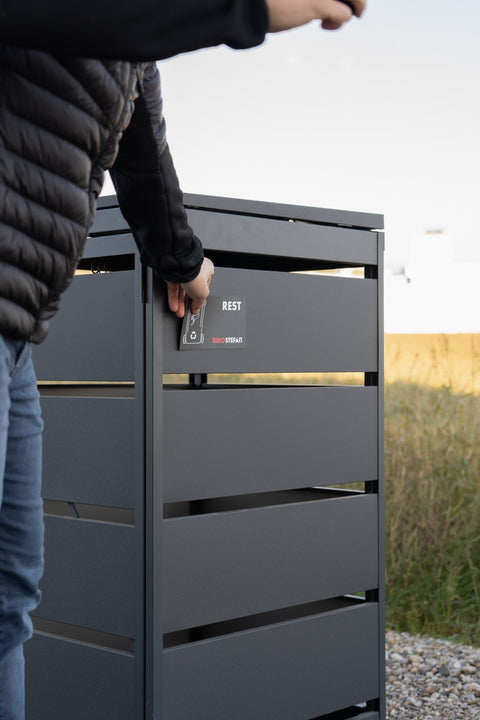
(250, 241)
(92, 337)
(281, 210)
(295, 323)
(109, 220)
(88, 454)
(65, 679)
(103, 246)
(299, 669)
(92, 576)
(280, 238)
(236, 206)
(225, 565)
(264, 439)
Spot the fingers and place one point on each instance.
(335, 14)
(287, 14)
(358, 7)
(181, 303)
(196, 305)
(199, 288)
(176, 298)
(172, 295)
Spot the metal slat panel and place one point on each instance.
(92, 337)
(109, 220)
(225, 565)
(91, 575)
(295, 323)
(281, 238)
(298, 669)
(102, 246)
(250, 235)
(264, 439)
(88, 450)
(65, 679)
(301, 212)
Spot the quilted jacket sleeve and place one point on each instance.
(148, 191)
(131, 29)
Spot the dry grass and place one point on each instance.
(435, 361)
(433, 484)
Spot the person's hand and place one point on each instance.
(287, 14)
(198, 289)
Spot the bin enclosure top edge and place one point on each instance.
(321, 216)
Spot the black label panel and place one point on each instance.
(221, 324)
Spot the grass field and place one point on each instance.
(438, 361)
(432, 413)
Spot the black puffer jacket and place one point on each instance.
(61, 121)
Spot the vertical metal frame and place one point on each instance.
(141, 459)
(381, 475)
(154, 448)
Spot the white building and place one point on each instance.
(436, 294)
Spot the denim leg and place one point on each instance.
(21, 518)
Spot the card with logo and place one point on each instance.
(221, 324)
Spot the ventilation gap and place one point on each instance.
(232, 380)
(355, 272)
(207, 632)
(259, 261)
(250, 501)
(86, 389)
(63, 631)
(351, 488)
(83, 511)
(356, 712)
(105, 264)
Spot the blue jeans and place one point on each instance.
(21, 518)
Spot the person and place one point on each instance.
(64, 120)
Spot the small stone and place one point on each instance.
(455, 668)
(473, 687)
(444, 670)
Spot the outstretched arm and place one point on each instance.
(157, 29)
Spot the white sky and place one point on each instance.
(383, 116)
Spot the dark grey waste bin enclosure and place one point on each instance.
(206, 555)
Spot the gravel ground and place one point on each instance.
(429, 679)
